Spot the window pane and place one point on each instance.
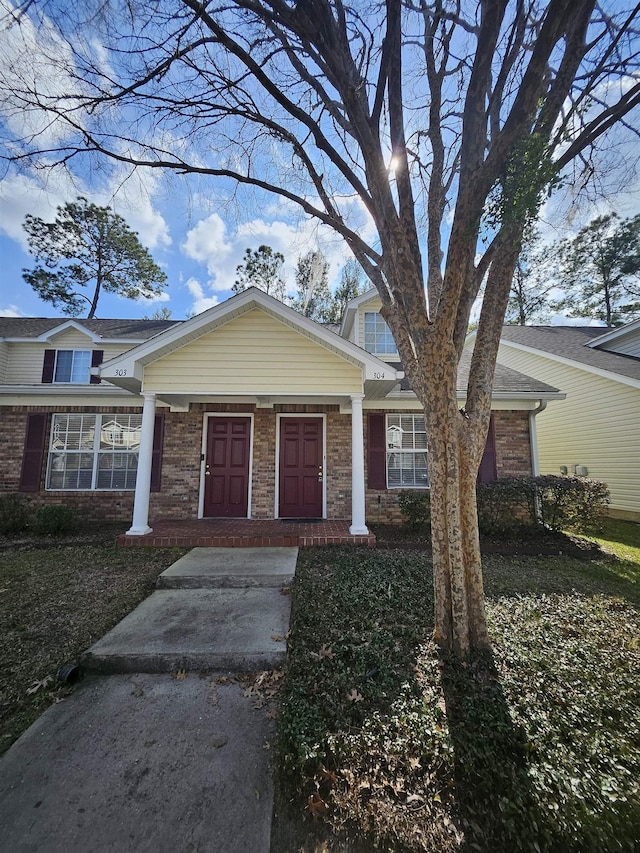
(81, 365)
(120, 432)
(117, 470)
(64, 365)
(70, 471)
(406, 452)
(377, 335)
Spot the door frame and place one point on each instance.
(203, 454)
(301, 415)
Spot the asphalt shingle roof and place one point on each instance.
(571, 342)
(33, 327)
(505, 381)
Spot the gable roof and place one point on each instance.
(571, 345)
(121, 331)
(135, 360)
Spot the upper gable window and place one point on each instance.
(72, 365)
(377, 335)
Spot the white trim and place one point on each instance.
(279, 417)
(203, 455)
(580, 365)
(351, 310)
(142, 494)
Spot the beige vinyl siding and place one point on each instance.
(253, 354)
(625, 345)
(598, 426)
(24, 360)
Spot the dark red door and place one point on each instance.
(226, 481)
(301, 472)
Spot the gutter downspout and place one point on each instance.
(533, 437)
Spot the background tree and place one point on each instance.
(261, 268)
(599, 270)
(352, 283)
(313, 297)
(88, 246)
(162, 313)
(529, 297)
(447, 121)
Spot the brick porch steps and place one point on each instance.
(247, 533)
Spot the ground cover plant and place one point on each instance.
(534, 748)
(58, 595)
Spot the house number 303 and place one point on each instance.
(122, 371)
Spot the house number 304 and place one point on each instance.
(378, 375)
(122, 371)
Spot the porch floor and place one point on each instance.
(247, 533)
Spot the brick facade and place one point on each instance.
(181, 464)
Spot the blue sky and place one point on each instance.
(196, 228)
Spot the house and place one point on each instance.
(596, 431)
(248, 410)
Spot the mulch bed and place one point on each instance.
(528, 543)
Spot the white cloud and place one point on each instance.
(131, 193)
(200, 301)
(21, 194)
(34, 55)
(11, 311)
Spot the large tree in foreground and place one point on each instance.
(88, 247)
(445, 120)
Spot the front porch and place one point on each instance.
(248, 533)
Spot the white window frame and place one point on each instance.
(396, 447)
(96, 452)
(74, 354)
(382, 333)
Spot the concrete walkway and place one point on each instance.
(142, 761)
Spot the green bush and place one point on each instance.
(15, 513)
(56, 520)
(504, 506)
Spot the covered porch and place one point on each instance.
(248, 533)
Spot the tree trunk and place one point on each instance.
(455, 449)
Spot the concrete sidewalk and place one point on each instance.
(151, 762)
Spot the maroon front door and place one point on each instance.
(226, 480)
(301, 472)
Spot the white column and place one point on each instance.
(140, 523)
(358, 525)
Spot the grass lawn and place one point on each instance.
(55, 601)
(536, 748)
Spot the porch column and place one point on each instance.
(358, 525)
(140, 523)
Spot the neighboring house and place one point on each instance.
(596, 431)
(247, 410)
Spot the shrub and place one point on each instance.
(560, 503)
(15, 513)
(416, 507)
(56, 520)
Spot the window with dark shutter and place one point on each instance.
(376, 451)
(97, 357)
(488, 471)
(48, 366)
(156, 458)
(33, 454)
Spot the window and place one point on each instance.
(377, 335)
(93, 451)
(406, 452)
(72, 365)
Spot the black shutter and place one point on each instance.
(488, 471)
(376, 451)
(34, 441)
(156, 458)
(48, 365)
(97, 357)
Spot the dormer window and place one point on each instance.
(377, 335)
(70, 366)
